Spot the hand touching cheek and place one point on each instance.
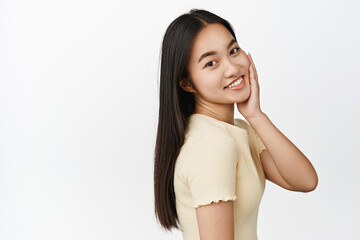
(251, 107)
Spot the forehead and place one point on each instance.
(213, 37)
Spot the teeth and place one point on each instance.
(237, 82)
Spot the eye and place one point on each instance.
(207, 65)
(237, 49)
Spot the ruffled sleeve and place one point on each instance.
(259, 143)
(253, 135)
(211, 168)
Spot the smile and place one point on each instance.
(236, 84)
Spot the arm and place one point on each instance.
(210, 172)
(283, 163)
(216, 221)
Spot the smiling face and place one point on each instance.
(216, 60)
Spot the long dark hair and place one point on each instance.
(175, 107)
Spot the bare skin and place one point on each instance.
(283, 163)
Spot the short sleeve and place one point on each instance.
(259, 143)
(212, 169)
(254, 136)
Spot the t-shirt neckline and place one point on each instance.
(235, 127)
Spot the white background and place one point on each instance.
(79, 103)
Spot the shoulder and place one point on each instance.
(203, 126)
(242, 123)
(207, 139)
(209, 156)
(245, 125)
(207, 147)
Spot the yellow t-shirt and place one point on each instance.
(216, 163)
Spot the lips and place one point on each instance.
(235, 80)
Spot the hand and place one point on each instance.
(251, 107)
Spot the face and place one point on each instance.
(211, 73)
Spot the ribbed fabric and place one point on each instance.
(216, 163)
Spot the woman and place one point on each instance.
(210, 169)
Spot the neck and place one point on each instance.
(224, 112)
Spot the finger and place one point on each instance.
(251, 62)
(253, 79)
(253, 65)
(252, 74)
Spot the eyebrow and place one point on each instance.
(214, 52)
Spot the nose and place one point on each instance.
(231, 69)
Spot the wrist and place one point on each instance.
(256, 117)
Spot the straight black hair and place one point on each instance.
(175, 107)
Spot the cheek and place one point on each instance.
(244, 60)
(205, 79)
(211, 81)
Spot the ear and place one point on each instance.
(186, 85)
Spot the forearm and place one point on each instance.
(291, 163)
